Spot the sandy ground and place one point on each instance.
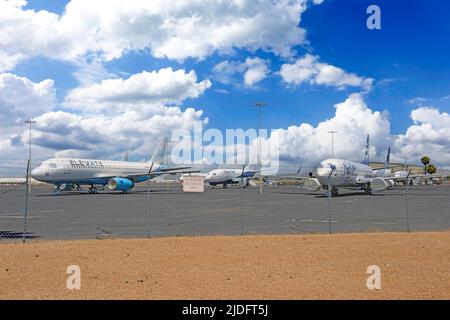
(251, 267)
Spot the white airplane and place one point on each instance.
(386, 172)
(338, 173)
(392, 177)
(68, 174)
(225, 177)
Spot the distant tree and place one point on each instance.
(425, 161)
(431, 169)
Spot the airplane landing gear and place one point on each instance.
(334, 192)
(57, 190)
(368, 189)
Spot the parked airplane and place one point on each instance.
(393, 177)
(225, 177)
(386, 172)
(68, 174)
(338, 173)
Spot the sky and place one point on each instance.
(105, 77)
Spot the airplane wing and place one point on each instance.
(179, 171)
(242, 175)
(167, 170)
(294, 176)
(151, 174)
(409, 177)
(362, 180)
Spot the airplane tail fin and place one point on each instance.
(160, 152)
(388, 159)
(366, 152)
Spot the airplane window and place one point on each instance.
(52, 165)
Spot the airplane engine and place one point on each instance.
(312, 185)
(120, 184)
(66, 187)
(379, 184)
(391, 183)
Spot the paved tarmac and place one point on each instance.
(167, 211)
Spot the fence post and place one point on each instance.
(148, 200)
(329, 205)
(242, 200)
(148, 210)
(407, 205)
(27, 190)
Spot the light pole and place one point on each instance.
(260, 105)
(28, 187)
(29, 122)
(332, 142)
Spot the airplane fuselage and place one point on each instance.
(60, 171)
(227, 176)
(342, 173)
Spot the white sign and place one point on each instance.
(193, 184)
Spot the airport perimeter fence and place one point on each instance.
(35, 211)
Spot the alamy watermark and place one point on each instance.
(374, 280)
(73, 281)
(374, 20)
(235, 147)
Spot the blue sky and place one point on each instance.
(408, 57)
(408, 60)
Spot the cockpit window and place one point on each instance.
(50, 165)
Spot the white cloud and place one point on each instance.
(253, 71)
(108, 135)
(417, 101)
(257, 70)
(353, 120)
(140, 91)
(136, 115)
(430, 135)
(310, 69)
(22, 99)
(100, 136)
(122, 114)
(225, 70)
(175, 29)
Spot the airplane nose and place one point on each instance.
(36, 173)
(323, 172)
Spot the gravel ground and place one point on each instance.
(413, 266)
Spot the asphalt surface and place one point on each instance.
(167, 211)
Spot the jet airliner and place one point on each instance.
(68, 174)
(339, 173)
(225, 177)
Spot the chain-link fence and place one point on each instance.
(158, 209)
